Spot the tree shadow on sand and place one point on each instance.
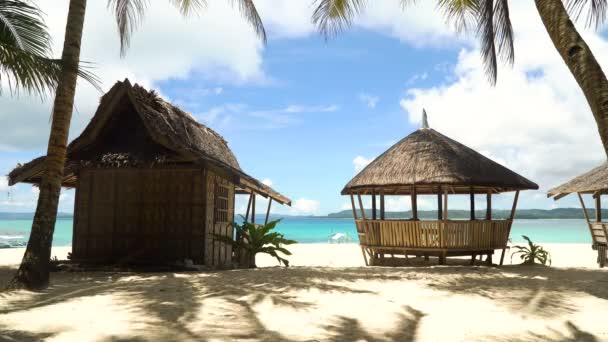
(574, 335)
(180, 305)
(349, 329)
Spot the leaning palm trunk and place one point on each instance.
(579, 59)
(34, 270)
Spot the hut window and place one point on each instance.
(221, 203)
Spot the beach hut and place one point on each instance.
(594, 183)
(427, 162)
(152, 184)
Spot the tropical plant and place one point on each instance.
(489, 19)
(25, 47)
(529, 254)
(253, 239)
(34, 269)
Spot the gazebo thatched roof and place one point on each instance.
(429, 160)
(592, 181)
(171, 136)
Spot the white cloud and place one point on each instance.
(267, 181)
(4, 184)
(535, 120)
(360, 163)
(217, 44)
(253, 119)
(305, 206)
(417, 77)
(369, 100)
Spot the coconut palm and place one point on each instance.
(489, 19)
(24, 49)
(34, 269)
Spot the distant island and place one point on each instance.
(558, 213)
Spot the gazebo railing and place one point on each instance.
(451, 234)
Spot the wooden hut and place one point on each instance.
(594, 183)
(152, 184)
(429, 163)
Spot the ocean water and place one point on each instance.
(314, 230)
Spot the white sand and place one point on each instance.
(311, 301)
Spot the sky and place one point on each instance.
(305, 114)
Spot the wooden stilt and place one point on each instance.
(382, 214)
(362, 240)
(598, 207)
(489, 205)
(268, 210)
(253, 209)
(414, 197)
(248, 207)
(439, 206)
(361, 207)
(472, 204)
(373, 205)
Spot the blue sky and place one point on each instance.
(305, 114)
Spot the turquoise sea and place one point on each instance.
(314, 230)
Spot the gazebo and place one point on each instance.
(427, 162)
(594, 183)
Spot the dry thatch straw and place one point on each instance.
(170, 136)
(592, 181)
(428, 160)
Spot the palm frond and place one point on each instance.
(333, 16)
(250, 13)
(187, 7)
(22, 25)
(461, 13)
(504, 31)
(33, 73)
(594, 10)
(129, 14)
(485, 30)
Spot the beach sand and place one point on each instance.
(327, 295)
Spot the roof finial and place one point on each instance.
(425, 121)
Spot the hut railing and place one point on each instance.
(453, 234)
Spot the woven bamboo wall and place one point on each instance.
(220, 219)
(147, 215)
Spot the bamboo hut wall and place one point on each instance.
(149, 215)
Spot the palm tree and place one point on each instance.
(489, 19)
(33, 272)
(24, 49)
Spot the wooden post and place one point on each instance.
(585, 213)
(382, 214)
(511, 217)
(439, 206)
(598, 207)
(352, 201)
(445, 205)
(514, 205)
(268, 210)
(248, 207)
(489, 205)
(361, 207)
(253, 208)
(414, 197)
(472, 204)
(373, 205)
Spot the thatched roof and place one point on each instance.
(171, 136)
(592, 181)
(427, 160)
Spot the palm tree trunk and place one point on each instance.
(34, 270)
(579, 59)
